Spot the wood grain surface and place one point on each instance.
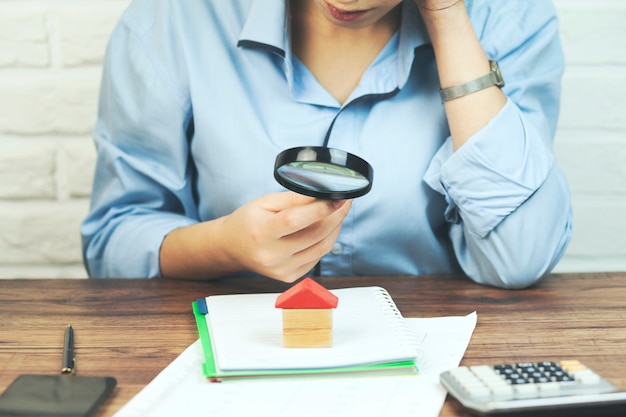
(132, 329)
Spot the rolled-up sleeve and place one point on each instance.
(142, 188)
(507, 202)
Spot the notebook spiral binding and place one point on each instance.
(403, 334)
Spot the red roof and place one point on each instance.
(307, 294)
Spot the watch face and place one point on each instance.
(495, 68)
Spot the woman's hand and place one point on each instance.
(283, 235)
(280, 235)
(436, 5)
(436, 12)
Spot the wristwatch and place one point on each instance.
(493, 77)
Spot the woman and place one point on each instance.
(198, 97)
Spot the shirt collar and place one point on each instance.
(267, 27)
(413, 34)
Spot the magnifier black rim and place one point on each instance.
(324, 154)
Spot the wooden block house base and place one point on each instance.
(307, 328)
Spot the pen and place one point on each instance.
(67, 366)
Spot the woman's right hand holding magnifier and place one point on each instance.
(280, 235)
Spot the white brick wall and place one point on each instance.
(50, 56)
(591, 139)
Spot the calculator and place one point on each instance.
(564, 388)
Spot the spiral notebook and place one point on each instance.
(241, 336)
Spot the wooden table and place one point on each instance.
(132, 329)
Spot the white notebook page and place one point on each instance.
(246, 333)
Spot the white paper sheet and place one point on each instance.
(181, 389)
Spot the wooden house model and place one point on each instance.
(307, 315)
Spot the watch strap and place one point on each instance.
(493, 77)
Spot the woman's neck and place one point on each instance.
(336, 55)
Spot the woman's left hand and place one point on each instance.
(435, 11)
(437, 5)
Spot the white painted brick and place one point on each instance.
(41, 234)
(51, 103)
(594, 161)
(592, 34)
(84, 33)
(80, 158)
(599, 227)
(23, 38)
(27, 169)
(594, 98)
(576, 264)
(71, 271)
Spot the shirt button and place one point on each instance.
(337, 249)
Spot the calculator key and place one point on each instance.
(549, 389)
(483, 371)
(588, 377)
(568, 383)
(465, 378)
(525, 391)
(518, 381)
(479, 392)
(564, 378)
(502, 392)
(504, 369)
(569, 364)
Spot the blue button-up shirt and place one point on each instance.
(199, 96)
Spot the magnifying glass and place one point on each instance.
(325, 173)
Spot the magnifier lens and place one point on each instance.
(324, 173)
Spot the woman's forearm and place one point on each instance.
(460, 59)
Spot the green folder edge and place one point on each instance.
(210, 370)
